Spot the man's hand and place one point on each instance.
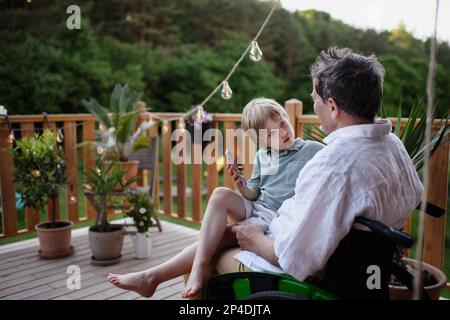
(248, 236)
(252, 238)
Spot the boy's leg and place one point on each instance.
(223, 203)
(145, 282)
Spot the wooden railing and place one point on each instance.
(197, 187)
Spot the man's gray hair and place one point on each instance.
(354, 81)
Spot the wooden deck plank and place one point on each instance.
(24, 276)
(86, 267)
(39, 265)
(100, 273)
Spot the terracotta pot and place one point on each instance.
(402, 293)
(54, 242)
(132, 167)
(106, 246)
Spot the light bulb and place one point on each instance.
(10, 138)
(182, 124)
(36, 173)
(100, 150)
(59, 136)
(200, 115)
(226, 91)
(255, 52)
(73, 199)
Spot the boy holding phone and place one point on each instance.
(275, 170)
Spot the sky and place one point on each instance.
(416, 15)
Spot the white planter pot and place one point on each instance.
(142, 245)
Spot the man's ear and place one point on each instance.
(334, 109)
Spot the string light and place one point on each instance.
(100, 150)
(226, 91)
(182, 124)
(72, 200)
(255, 55)
(200, 115)
(255, 52)
(59, 136)
(165, 127)
(10, 139)
(36, 173)
(47, 122)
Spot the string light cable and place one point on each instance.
(255, 55)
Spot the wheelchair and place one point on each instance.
(345, 275)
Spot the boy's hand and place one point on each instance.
(236, 176)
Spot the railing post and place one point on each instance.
(181, 179)
(70, 142)
(89, 161)
(167, 166)
(229, 129)
(212, 181)
(142, 174)
(153, 131)
(8, 189)
(294, 109)
(434, 235)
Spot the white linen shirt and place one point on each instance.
(364, 171)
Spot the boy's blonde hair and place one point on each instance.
(257, 111)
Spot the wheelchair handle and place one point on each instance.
(390, 233)
(432, 209)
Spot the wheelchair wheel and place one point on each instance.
(274, 295)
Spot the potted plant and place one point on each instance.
(105, 239)
(118, 136)
(413, 137)
(142, 212)
(40, 171)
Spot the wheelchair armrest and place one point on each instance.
(397, 236)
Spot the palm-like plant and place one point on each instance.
(117, 135)
(412, 134)
(100, 182)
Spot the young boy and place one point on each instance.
(275, 171)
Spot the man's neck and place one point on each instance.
(348, 120)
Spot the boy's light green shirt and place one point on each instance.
(275, 173)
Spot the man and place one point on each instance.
(364, 171)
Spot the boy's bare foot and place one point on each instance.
(194, 284)
(141, 282)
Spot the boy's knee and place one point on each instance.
(221, 194)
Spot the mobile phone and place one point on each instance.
(229, 157)
(230, 160)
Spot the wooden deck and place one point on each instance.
(23, 275)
